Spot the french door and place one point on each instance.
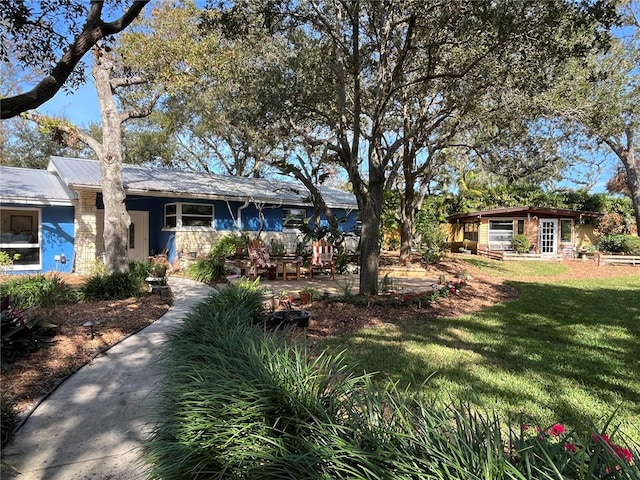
(548, 236)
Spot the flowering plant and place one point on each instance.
(555, 449)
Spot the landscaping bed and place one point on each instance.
(32, 377)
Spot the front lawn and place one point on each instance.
(511, 269)
(561, 352)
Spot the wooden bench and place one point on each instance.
(624, 259)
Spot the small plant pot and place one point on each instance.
(305, 298)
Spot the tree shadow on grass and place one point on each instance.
(571, 351)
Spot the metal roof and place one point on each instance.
(27, 185)
(83, 173)
(515, 211)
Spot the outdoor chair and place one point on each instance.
(322, 258)
(260, 262)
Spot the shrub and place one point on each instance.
(8, 419)
(43, 290)
(116, 286)
(140, 270)
(21, 333)
(629, 244)
(212, 268)
(208, 269)
(520, 243)
(434, 244)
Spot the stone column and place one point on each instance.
(85, 232)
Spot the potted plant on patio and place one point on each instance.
(307, 294)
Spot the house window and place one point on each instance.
(520, 227)
(471, 232)
(293, 218)
(188, 215)
(20, 237)
(566, 232)
(500, 234)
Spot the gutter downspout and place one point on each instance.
(239, 216)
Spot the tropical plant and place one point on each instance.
(22, 333)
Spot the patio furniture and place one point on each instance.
(294, 263)
(322, 258)
(260, 261)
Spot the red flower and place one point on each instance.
(557, 429)
(525, 427)
(570, 447)
(623, 453)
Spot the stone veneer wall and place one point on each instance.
(85, 232)
(200, 243)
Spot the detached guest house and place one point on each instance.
(552, 232)
(53, 219)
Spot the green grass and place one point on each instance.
(561, 352)
(518, 269)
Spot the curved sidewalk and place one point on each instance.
(92, 425)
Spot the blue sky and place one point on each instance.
(79, 107)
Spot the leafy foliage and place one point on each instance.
(433, 241)
(43, 290)
(21, 333)
(520, 243)
(114, 286)
(629, 244)
(8, 419)
(212, 268)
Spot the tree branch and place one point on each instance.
(94, 30)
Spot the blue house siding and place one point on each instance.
(225, 216)
(56, 231)
(57, 238)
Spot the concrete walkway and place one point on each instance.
(92, 425)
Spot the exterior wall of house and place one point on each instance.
(585, 236)
(57, 239)
(50, 242)
(187, 241)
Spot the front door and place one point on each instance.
(138, 240)
(548, 235)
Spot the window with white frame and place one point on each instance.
(188, 215)
(20, 237)
(293, 218)
(500, 234)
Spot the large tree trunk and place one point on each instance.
(369, 248)
(116, 217)
(407, 206)
(632, 166)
